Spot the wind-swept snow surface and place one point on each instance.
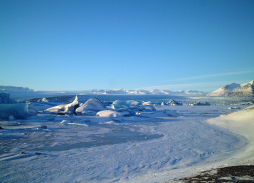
(152, 146)
(237, 168)
(240, 122)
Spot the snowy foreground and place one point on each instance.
(154, 146)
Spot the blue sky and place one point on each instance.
(133, 44)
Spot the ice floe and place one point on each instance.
(117, 104)
(14, 111)
(65, 108)
(5, 98)
(124, 142)
(10, 109)
(111, 113)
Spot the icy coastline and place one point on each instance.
(153, 145)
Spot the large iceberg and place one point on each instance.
(93, 105)
(10, 109)
(17, 111)
(5, 98)
(65, 108)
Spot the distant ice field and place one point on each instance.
(158, 99)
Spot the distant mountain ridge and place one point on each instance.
(235, 90)
(144, 92)
(15, 88)
(107, 91)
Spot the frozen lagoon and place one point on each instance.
(126, 149)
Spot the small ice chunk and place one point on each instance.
(64, 121)
(234, 108)
(117, 104)
(147, 103)
(11, 117)
(44, 100)
(153, 114)
(111, 113)
(201, 103)
(173, 102)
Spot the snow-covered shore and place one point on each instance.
(240, 122)
(152, 146)
(237, 167)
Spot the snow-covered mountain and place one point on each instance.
(23, 91)
(246, 90)
(113, 91)
(225, 91)
(235, 90)
(188, 92)
(156, 91)
(144, 92)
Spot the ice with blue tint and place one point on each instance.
(133, 138)
(5, 98)
(117, 104)
(158, 99)
(17, 111)
(10, 109)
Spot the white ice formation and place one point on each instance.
(173, 102)
(65, 108)
(91, 105)
(112, 113)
